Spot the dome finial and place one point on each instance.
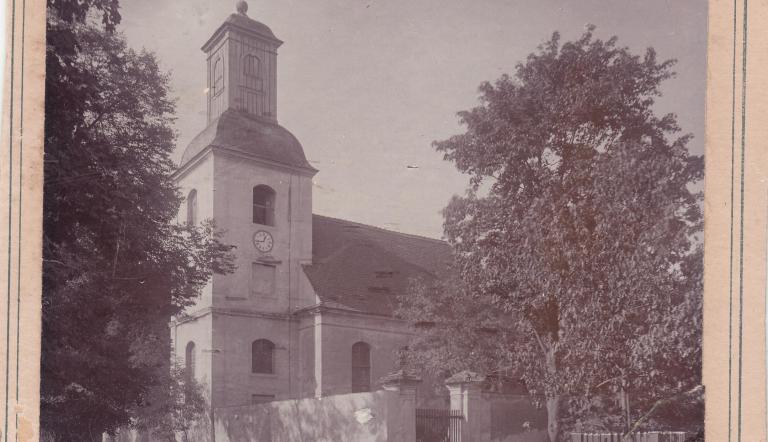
(242, 7)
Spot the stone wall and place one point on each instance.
(387, 415)
(360, 417)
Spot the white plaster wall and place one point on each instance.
(306, 346)
(199, 177)
(198, 331)
(234, 383)
(340, 331)
(234, 180)
(360, 417)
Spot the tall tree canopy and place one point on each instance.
(116, 264)
(575, 245)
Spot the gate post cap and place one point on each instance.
(465, 377)
(399, 379)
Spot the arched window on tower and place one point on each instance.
(189, 360)
(217, 85)
(252, 72)
(192, 207)
(262, 356)
(263, 205)
(361, 367)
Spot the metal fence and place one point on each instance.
(649, 436)
(434, 425)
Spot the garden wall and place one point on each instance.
(381, 416)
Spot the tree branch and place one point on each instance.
(658, 404)
(541, 343)
(606, 381)
(95, 120)
(120, 232)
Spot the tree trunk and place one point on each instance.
(624, 397)
(553, 417)
(552, 397)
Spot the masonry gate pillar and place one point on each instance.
(467, 396)
(401, 405)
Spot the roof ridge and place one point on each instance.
(381, 229)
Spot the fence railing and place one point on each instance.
(436, 425)
(648, 436)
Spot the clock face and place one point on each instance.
(262, 241)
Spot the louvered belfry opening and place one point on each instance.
(263, 205)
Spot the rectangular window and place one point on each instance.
(262, 279)
(261, 398)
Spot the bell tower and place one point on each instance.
(250, 175)
(241, 67)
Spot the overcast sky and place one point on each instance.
(367, 85)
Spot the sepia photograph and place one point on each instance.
(367, 220)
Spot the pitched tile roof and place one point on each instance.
(364, 268)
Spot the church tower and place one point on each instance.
(241, 59)
(250, 175)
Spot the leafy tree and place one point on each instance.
(70, 11)
(116, 265)
(578, 268)
(175, 410)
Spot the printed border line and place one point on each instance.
(730, 253)
(741, 219)
(10, 221)
(20, 180)
(21, 190)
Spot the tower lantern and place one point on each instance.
(241, 58)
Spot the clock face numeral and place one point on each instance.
(262, 241)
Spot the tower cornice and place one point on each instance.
(256, 30)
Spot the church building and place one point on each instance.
(309, 310)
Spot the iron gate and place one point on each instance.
(434, 425)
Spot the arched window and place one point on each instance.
(189, 360)
(361, 367)
(252, 72)
(262, 356)
(218, 77)
(192, 207)
(264, 205)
